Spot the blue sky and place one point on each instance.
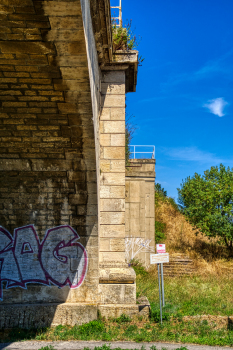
(184, 99)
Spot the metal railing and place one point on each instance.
(137, 153)
(117, 20)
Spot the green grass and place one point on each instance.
(197, 295)
(172, 330)
(184, 296)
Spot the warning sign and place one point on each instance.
(160, 248)
(159, 258)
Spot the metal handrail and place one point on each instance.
(137, 152)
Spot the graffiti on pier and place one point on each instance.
(59, 259)
(136, 245)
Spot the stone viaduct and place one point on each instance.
(62, 165)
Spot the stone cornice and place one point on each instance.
(101, 21)
(125, 60)
(108, 60)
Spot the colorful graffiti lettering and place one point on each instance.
(59, 259)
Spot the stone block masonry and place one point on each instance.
(112, 167)
(27, 261)
(47, 150)
(62, 164)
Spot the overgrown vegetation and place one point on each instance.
(160, 225)
(123, 37)
(207, 202)
(161, 195)
(138, 267)
(172, 228)
(209, 294)
(160, 229)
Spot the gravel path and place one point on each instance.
(79, 345)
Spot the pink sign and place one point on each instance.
(160, 248)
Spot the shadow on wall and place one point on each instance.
(52, 180)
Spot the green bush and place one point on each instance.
(123, 37)
(160, 229)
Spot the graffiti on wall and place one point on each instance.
(136, 245)
(59, 259)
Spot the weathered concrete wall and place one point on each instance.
(140, 210)
(48, 161)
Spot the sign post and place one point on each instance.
(162, 285)
(160, 259)
(160, 304)
(161, 249)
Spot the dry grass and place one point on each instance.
(181, 237)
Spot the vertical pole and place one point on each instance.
(120, 14)
(134, 151)
(160, 301)
(162, 284)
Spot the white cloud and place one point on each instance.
(216, 106)
(192, 154)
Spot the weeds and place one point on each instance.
(160, 229)
(123, 37)
(196, 295)
(138, 268)
(173, 329)
(122, 319)
(155, 312)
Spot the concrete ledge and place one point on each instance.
(117, 275)
(144, 174)
(125, 60)
(45, 315)
(116, 310)
(125, 56)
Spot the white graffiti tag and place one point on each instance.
(58, 259)
(136, 245)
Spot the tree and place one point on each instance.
(208, 202)
(160, 190)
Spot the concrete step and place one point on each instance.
(179, 265)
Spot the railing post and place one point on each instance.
(152, 153)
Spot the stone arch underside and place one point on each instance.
(48, 161)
